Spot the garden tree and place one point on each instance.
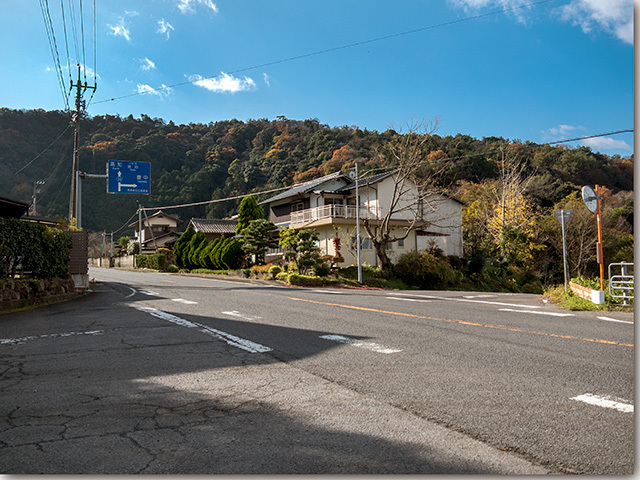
(180, 246)
(249, 210)
(308, 251)
(190, 258)
(289, 242)
(205, 255)
(232, 254)
(406, 154)
(259, 236)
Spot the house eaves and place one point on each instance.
(306, 187)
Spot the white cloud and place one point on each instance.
(515, 7)
(224, 83)
(188, 6)
(266, 79)
(120, 29)
(164, 28)
(147, 64)
(163, 91)
(606, 143)
(560, 132)
(613, 16)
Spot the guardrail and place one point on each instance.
(621, 286)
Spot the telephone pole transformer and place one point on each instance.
(81, 88)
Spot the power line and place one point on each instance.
(591, 136)
(341, 47)
(51, 36)
(47, 148)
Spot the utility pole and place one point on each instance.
(80, 87)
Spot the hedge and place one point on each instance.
(154, 262)
(41, 251)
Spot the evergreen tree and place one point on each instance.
(249, 210)
(259, 236)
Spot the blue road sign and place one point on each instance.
(129, 177)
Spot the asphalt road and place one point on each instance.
(160, 373)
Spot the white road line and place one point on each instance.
(149, 292)
(479, 296)
(327, 291)
(237, 314)
(410, 299)
(186, 302)
(605, 402)
(468, 300)
(19, 341)
(133, 292)
(553, 314)
(607, 319)
(232, 340)
(360, 344)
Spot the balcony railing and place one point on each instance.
(331, 211)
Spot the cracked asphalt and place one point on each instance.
(94, 386)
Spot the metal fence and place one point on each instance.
(621, 283)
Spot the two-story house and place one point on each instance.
(156, 230)
(328, 206)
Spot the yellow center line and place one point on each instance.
(472, 324)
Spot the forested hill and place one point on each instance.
(199, 162)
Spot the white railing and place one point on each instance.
(331, 211)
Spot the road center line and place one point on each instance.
(232, 340)
(374, 347)
(462, 322)
(186, 302)
(605, 402)
(554, 314)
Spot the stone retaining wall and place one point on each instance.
(24, 292)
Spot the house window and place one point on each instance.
(296, 207)
(366, 243)
(401, 243)
(390, 246)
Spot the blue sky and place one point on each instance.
(546, 72)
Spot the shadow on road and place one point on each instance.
(97, 387)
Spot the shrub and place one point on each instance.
(232, 255)
(274, 270)
(154, 262)
(172, 268)
(425, 270)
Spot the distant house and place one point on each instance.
(156, 231)
(214, 228)
(328, 205)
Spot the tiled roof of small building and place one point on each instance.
(207, 225)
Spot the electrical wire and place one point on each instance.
(51, 36)
(341, 47)
(47, 148)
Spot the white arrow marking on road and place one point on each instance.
(554, 314)
(606, 402)
(359, 343)
(186, 302)
(232, 340)
(149, 292)
(614, 320)
(18, 341)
